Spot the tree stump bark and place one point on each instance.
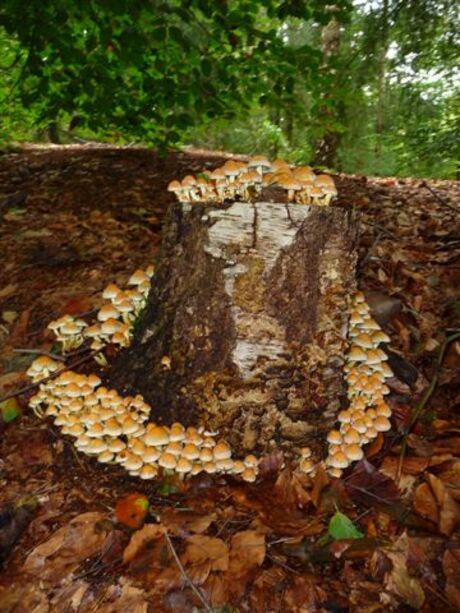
(245, 326)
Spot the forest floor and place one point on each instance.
(75, 218)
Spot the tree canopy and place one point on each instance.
(377, 82)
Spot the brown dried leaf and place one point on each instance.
(247, 550)
(398, 580)
(148, 533)
(425, 503)
(202, 555)
(449, 510)
(61, 554)
(451, 568)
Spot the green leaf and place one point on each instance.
(10, 410)
(341, 527)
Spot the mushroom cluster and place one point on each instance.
(114, 320)
(366, 369)
(112, 428)
(368, 413)
(245, 181)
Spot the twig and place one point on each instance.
(55, 356)
(195, 590)
(438, 197)
(32, 386)
(427, 395)
(366, 258)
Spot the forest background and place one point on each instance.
(368, 87)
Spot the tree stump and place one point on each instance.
(245, 326)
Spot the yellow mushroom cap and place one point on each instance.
(238, 467)
(339, 460)
(184, 466)
(105, 456)
(190, 451)
(251, 461)
(249, 475)
(222, 451)
(148, 472)
(307, 466)
(334, 437)
(382, 424)
(353, 452)
(176, 432)
(352, 436)
(167, 460)
(210, 467)
(108, 311)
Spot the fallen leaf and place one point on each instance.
(247, 551)
(451, 568)
(449, 510)
(141, 538)
(202, 555)
(398, 580)
(10, 410)
(8, 290)
(341, 527)
(67, 548)
(132, 510)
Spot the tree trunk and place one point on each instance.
(244, 330)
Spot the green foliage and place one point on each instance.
(240, 75)
(341, 527)
(152, 69)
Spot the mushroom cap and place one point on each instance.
(156, 435)
(95, 446)
(116, 445)
(356, 354)
(108, 311)
(176, 432)
(131, 461)
(344, 417)
(167, 460)
(222, 451)
(251, 461)
(129, 425)
(364, 340)
(249, 475)
(151, 454)
(206, 455)
(351, 437)
(174, 447)
(188, 181)
(260, 161)
(307, 466)
(110, 291)
(288, 182)
(336, 473)
(305, 452)
(174, 186)
(334, 437)
(339, 460)
(382, 424)
(105, 456)
(110, 326)
(184, 466)
(190, 451)
(210, 468)
(231, 168)
(148, 471)
(238, 467)
(353, 452)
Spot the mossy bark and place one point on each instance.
(245, 327)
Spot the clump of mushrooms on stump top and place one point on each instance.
(244, 338)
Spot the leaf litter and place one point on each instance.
(89, 215)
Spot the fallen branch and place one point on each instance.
(438, 197)
(186, 578)
(54, 356)
(32, 386)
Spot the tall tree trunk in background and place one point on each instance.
(326, 147)
(245, 327)
(381, 88)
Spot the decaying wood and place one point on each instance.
(244, 331)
